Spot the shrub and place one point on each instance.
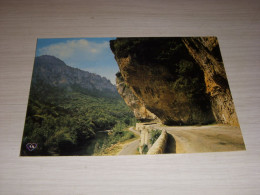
(154, 135)
(119, 134)
(145, 149)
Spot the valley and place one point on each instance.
(68, 108)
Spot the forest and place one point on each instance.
(62, 120)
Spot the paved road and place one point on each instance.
(208, 138)
(134, 131)
(131, 148)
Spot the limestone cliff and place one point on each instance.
(138, 107)
(180, 80)
(162, 74)
(207, 54)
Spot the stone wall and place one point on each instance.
(159, 146)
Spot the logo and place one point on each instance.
(31, 146)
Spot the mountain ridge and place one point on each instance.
(66, 109)
(54, 72)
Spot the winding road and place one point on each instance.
(131, 148)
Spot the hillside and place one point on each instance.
(54, 72)
(68, 107)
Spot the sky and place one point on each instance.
(91, 54)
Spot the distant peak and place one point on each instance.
(55, 72)
(48, 57)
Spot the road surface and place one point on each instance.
(131, 148)
(208, 138)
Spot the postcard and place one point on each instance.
(129, 96)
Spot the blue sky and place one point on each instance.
(90, 54)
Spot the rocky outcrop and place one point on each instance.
(140, 111)
(163, 75)
(180, 80)
(207, 54)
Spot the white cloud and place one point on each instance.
(81, 48)
(95, 57)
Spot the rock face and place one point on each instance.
(138, 107)
(180, 80)
(162, 74)
(206, 52)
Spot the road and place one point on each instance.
(131, 148)
(192, 139)
(208, 138)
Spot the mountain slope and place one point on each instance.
(68, 107)
(54, 72)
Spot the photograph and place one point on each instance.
(129, 96)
